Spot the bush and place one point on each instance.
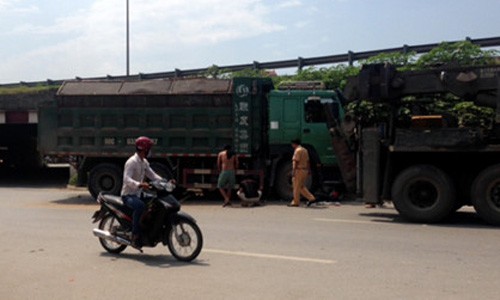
(461, 54)
(469, 114)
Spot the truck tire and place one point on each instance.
(283, 183)
(423, 193)
(485, 194)
(105, 178)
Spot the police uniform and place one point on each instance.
(301, 171)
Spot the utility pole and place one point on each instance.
(128, 41)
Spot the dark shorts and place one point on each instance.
(227, 180)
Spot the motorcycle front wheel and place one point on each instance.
(185, 240)
(110, 223)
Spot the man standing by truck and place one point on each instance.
(136, 170)
(227, 163)
(301, 169)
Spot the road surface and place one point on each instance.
(273, 252)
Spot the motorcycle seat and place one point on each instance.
(113, 199)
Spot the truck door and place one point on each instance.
(285, 118)
(314, 129)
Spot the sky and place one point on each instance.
(49, 39)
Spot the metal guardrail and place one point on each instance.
(300, 62)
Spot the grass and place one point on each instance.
(27, 89)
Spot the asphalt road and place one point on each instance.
(273, 252)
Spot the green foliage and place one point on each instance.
(214, 72)
(27, 89)
(461, 53)
(469, 114)
(438, 105)
(466, 114)
(278, 80)
(334, 77)
(252, 73)
(404, 61)
(368, 113)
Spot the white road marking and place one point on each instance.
(270, 256)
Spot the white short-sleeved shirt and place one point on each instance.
(136, 169)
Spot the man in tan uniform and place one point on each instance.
(301, 170)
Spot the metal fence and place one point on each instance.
(299, 63)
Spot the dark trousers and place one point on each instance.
(138, 206)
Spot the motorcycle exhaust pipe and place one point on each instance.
(108, 236)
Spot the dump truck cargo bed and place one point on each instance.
(183, 117)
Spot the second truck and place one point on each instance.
(428, 164)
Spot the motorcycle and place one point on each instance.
(162, 222)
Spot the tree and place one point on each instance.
(403, 61)
(460, 53)
(333, 77)
(214, 72)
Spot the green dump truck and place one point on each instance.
(93, 125)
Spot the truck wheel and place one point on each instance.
(485, 194)
(423, 193)
(105, 178)
(283, 183)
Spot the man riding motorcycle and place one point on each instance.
(136, 170)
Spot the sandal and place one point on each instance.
(309, 203)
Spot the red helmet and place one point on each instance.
(143, 143)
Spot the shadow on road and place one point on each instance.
(44, 177)
(158, 261)
(77, 200)
(459, 219)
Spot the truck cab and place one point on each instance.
(299, 113)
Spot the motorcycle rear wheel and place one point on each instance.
(185, 240)
(110, 223)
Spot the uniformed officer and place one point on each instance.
(300, 171)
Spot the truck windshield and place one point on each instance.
(314, 109)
